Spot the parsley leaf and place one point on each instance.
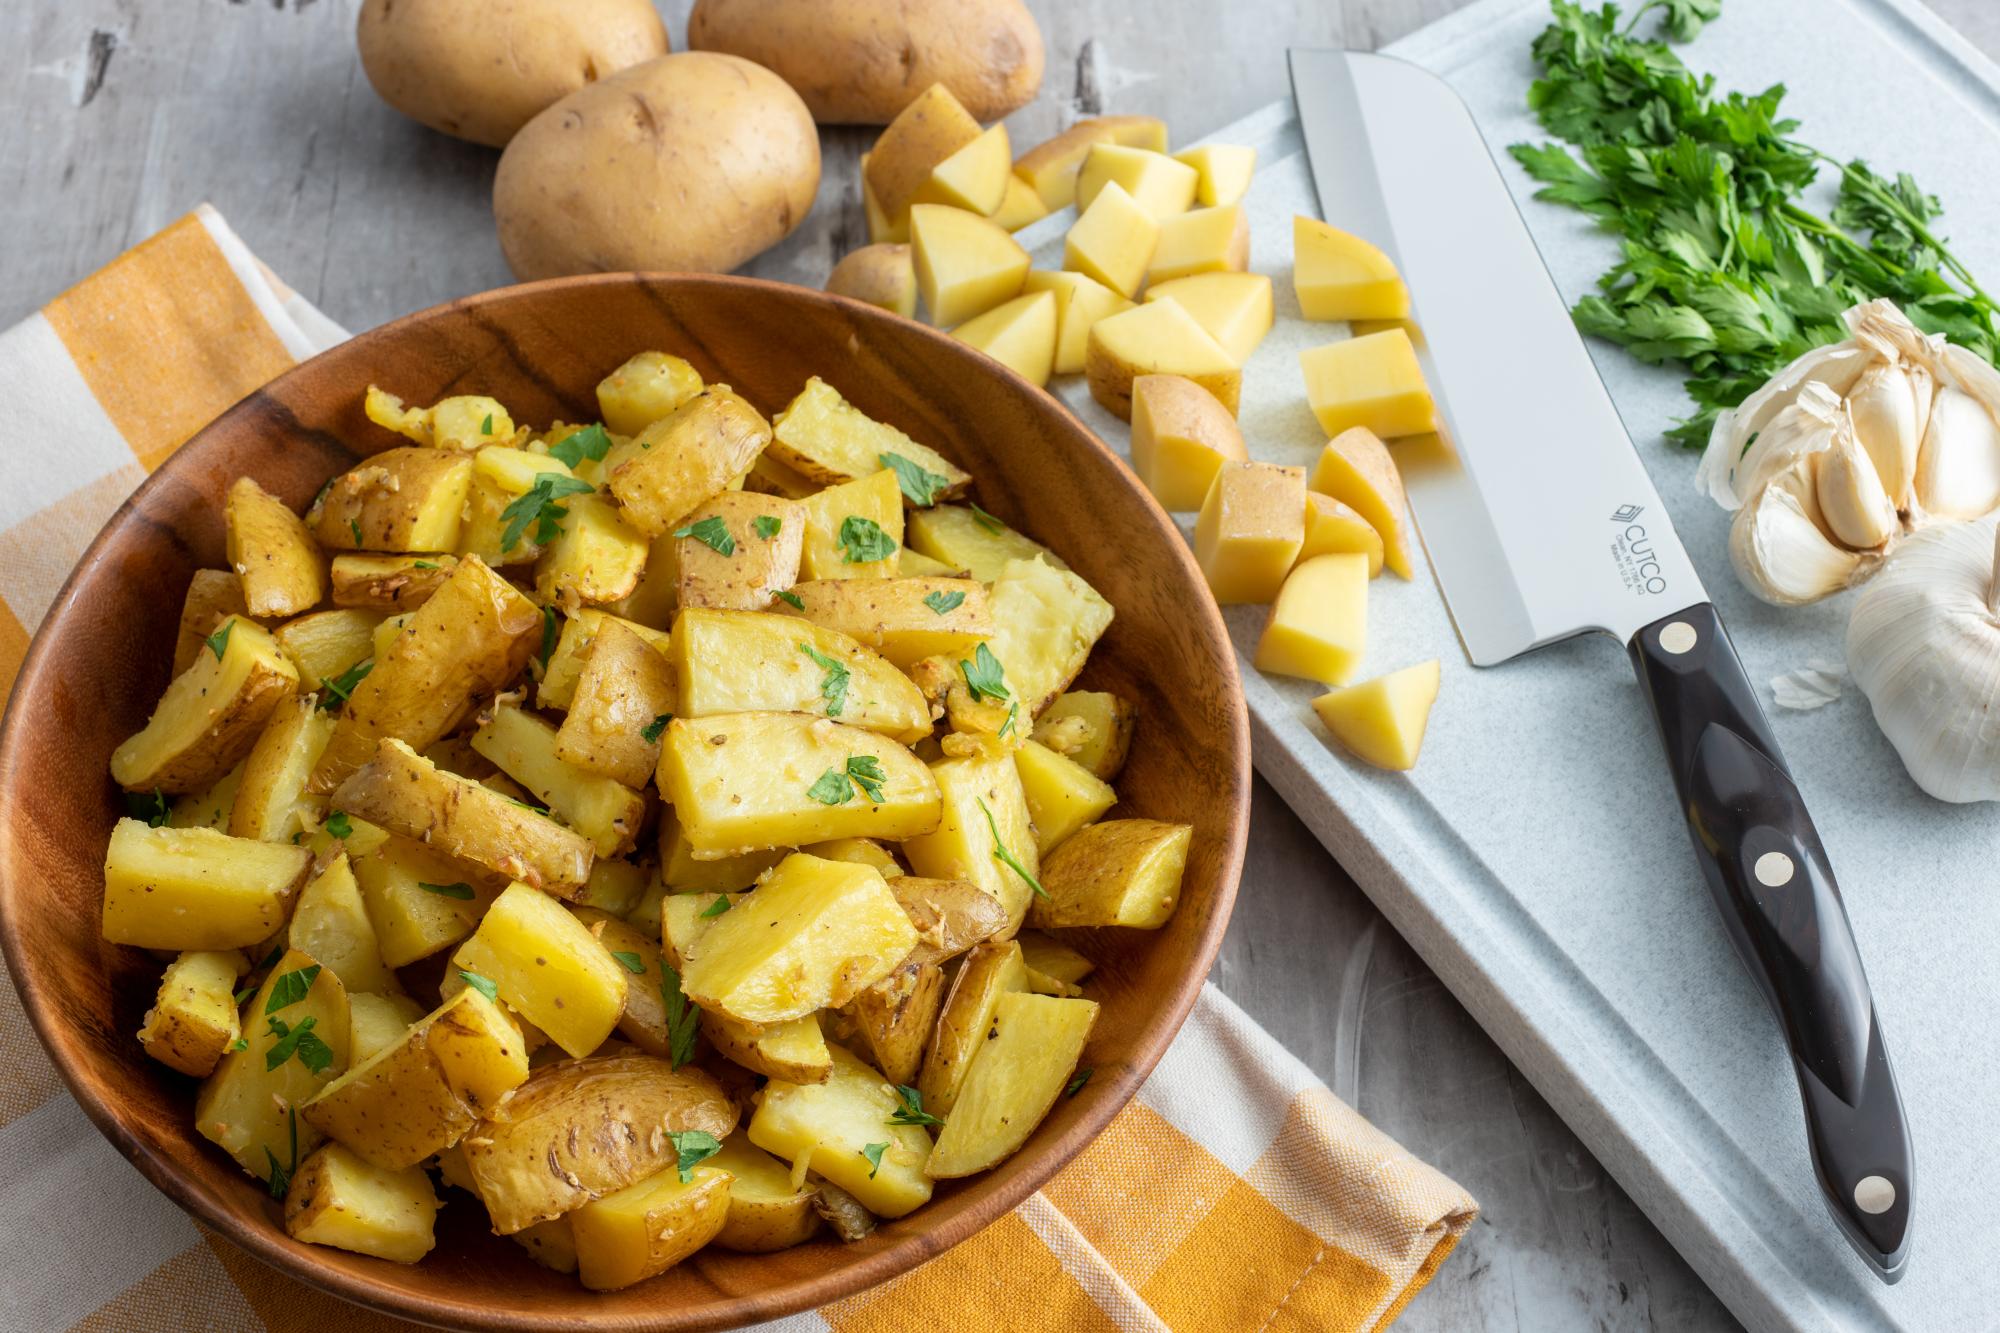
(1005, 857)
(911, 1109)
(866, 772)
(219, 641)
(718, 907)
(863, 542)
(833, 686)
(1013, 709)
(944, 603)
(919, 486)
(152, 809)
(338, 825)
(243, 995)
(836, 785)
(711, 532)
(591, 442)
(768, 527)
(461, 890)
(691, 1148)
(341, 687)
(537, 505)
(271, 958)
(683, 1019)
(354, 526)
(983, 675)
(484, 985)
(299, 1040)
(290, 988)
(791, 599)
(240, 1044)
(873, 1152)
(423, 564)
(279, 1178)
(486, 426)
(1076, 1084)
(986, 520)
(631, 962)
(831, 788)
(549, 635)
(652, 731)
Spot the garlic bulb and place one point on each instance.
(1852, 447)
(1924, 646)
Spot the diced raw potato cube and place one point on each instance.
(1208, 240)
(1234, 308)
(339, 1200)
(1372, 381)
(1181, 437)
(1081, 301)
(1157, 183)
(1319, 625)
(1158, 338)
(974, 177)
(966, 264)
(1341, 276)
(1112, 241)
(1223, 171)
(1333, 528)
(1020, 334)
(1250, 529)
(1355, 468)
(1382, 721)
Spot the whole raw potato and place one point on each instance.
(693, 162)
(859, 62)
(481, 69)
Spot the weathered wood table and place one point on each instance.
(117, 116)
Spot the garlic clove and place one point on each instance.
(1779, 549)
(1958, 464)
(1852, 502)
(1720, 476)
(1802, 429)
(1883, 405)
(1923, 645)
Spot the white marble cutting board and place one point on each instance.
(1535, 857)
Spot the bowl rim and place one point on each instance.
(271, 1246)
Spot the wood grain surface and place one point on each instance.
(123, 114)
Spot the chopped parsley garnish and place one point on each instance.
(219, 641)
(911, 1110)
(538, 506)
(339, 688)
(423, 564)
(836, 785)
(983, 675)
(152, 809)
(1005, 857)
(718, 907)
(243, 995)
(1013, 710)
(691, 1148)
(832, 686)
(290, 988)
(338, 825)
(280, 1177)
(944, 603)
(768, 527)
(873, 1152)
(862, 541)
(591, 442)
(683, 1019)
(484, 985)
(986, 520)
(486, 426)
(866, 771)
(711, 532)
(354, 526)
(297, 1039)
(1076, 1084)
(240, 1044)
(650, 733)
(631, 962)
(919, 486)
(550, 633)
(461, 890)
(831, 788)
(791, 599)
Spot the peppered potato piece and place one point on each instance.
(210, 715)
(398, 500)
(950, 916)
(283, 572)
(213, 596)
(601, 808)
(623, 696)
(193, 1019)
(747, 661)
(1119, 872)
(904, 619)
(391, 583)
(766, 1211)
(325, 644)
(1092, 728)
(268, 804)
(894, 1019)
(823, 438)
(741, 549)
(647, 387)
(681, 460)
(338, 1199)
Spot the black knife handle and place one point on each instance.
(1771, 880)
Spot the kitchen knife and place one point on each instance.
(1541, 524)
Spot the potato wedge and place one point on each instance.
(989, 971)
(327, 644)
(865, 851)
(582, 1129)
(1091, 727)
(749, 661)
(468, 642)
(615, 885)
(744, 781)
(684, 458)
(211, 714)
(853, 530)
(486, 527)
(810, 936)
(646, 1228)
(213, 596)
(1053, 959)
(740, 548)
(602, 809)
(983, 816)
(338, 1199)
(642, 1018)
(1030, 1052)
(903, 619)
(683, 872)
(795, 1051)
(832, 1124)
(461, 422)
(282, 570)
(330, 922)
(1121, 872)
(1062, 794)
(405, 793)
(270, 800)
(894, 1018)
(565, 665)
(973, 541)
(377, 1022)
(645, 389)
(596, 557)
(419, 901)
(193, 1021)
(767, 1212)
(398, 500)
(210, 807)
(624, 697)
(548, 967)
(391, 583)
(195, 888)
(249, 1106)
(825, 439)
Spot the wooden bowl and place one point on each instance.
(100, 661)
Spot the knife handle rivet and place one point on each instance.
(1873, 1194)
(1678, 637)
(1774, 871)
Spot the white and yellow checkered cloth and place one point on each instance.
(1236, 1192)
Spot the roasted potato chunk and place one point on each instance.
(737, 551)
(747, 661)
(983, 825)
(682, 459)
(193, 1020)
(377, 1022)
(949, 915)
(853, 530)
(835, 1122)
(213, 596)
(1045, 621)
(565, 665)
(194, 888)
(388, 583)
(972, 540)
(1053, 959)
(326, 644)
(405, 793)
(601, 808)
(1092, 728)
(1031, 1050)
(418, 900)
(1121, 872)
(211, 714)
(210, 807)
(548, 967)
(283, 572)
(647, 388)
(331, 923)
(462, 422)
(826, 439)
(397, 500)
(988, 972)
(904, 619)
(338, 1199)
(596, 557)
(865, 851)
(624, 697)
(648, 1227)
(1062, 794)
(766, 1211)
(683, 872)
(894, 1018)
(270, 802)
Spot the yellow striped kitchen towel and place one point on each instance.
(1235, 1193)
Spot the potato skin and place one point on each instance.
(694, 162)
(481, 69)
(857, 62)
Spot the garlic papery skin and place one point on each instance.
(1778, 547)
(1958, 465)
(1835, 366)
(1804, 427)
(1890, 405)
(1853, 505)
(1924, 646)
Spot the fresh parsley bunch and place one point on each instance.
(1723, 270)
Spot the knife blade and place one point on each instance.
(1541, 523)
